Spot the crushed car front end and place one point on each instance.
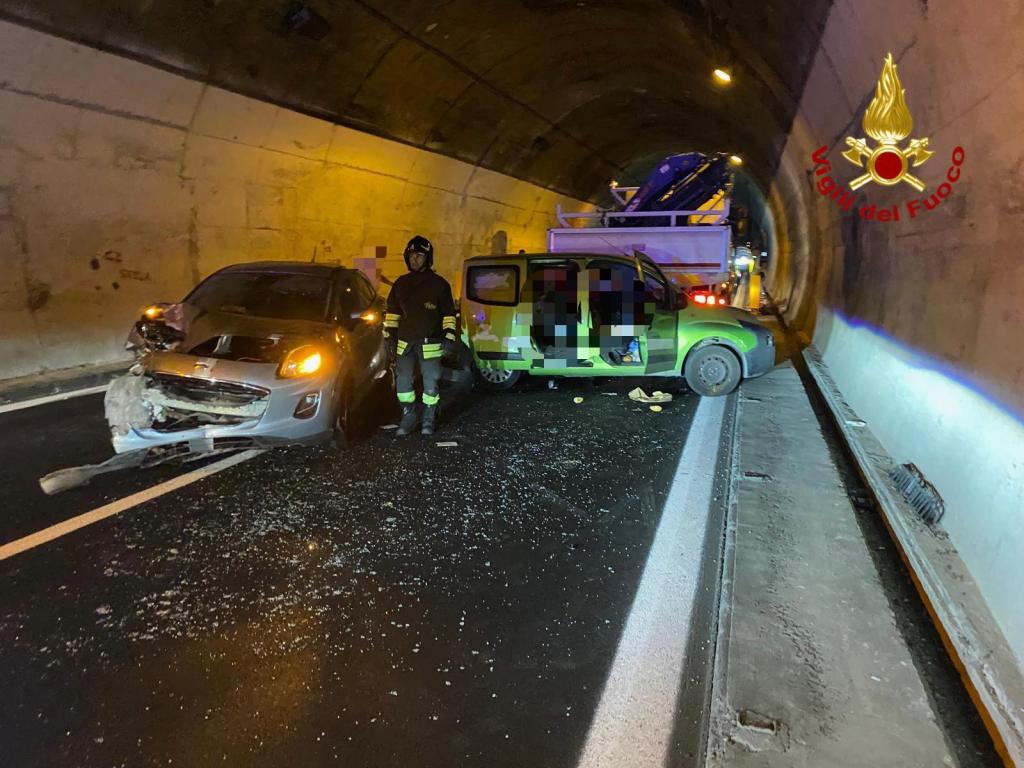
(179, 398)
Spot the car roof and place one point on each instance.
(288, 268)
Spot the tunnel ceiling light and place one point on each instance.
(735, 159)
(723, 76)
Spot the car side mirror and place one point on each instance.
(369, 316)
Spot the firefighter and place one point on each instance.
(420, 327)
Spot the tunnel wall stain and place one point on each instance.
(123, 184)
(921, 320)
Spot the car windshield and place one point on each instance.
(264, 294)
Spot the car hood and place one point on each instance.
(270, 336)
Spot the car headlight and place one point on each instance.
(301, 361)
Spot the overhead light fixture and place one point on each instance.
(735, 159)
(723, 76)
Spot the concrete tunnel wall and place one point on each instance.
(122, 184)
(921, 320)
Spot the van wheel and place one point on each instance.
(712, 371)
(496, 380)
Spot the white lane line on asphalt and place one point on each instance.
(52, 398)
(116, 507)
(635, 717)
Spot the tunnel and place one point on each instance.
(147, 144)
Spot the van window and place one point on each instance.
(657, 290)
(493, 284)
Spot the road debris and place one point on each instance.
(656, 408)
(447, 444)
(577, 400)
(184, 452)
(640, 396)
(72, 477)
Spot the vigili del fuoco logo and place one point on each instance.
(888, 162)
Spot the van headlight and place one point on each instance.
(301, 361)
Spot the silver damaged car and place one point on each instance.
(256, 355)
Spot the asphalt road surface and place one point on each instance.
(492, 603)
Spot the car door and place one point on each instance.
(662, 332)
(372, 316)
(361, 321)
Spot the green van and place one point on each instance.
(561, 314)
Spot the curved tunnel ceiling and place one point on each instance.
(567, 94)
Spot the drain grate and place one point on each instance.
(919, 493)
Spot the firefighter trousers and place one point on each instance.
(428, 355)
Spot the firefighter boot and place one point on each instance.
(409, 419)
(429, 414)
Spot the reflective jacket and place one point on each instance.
(420, 309)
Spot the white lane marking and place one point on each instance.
(52, 398)
(634, 719)
(116, 507)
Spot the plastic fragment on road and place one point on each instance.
(611, 394)
(389, 426)
(656, 408)
(577, 400)
(447, 444)
(72, 477)
(640, 396)
(144, 458)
